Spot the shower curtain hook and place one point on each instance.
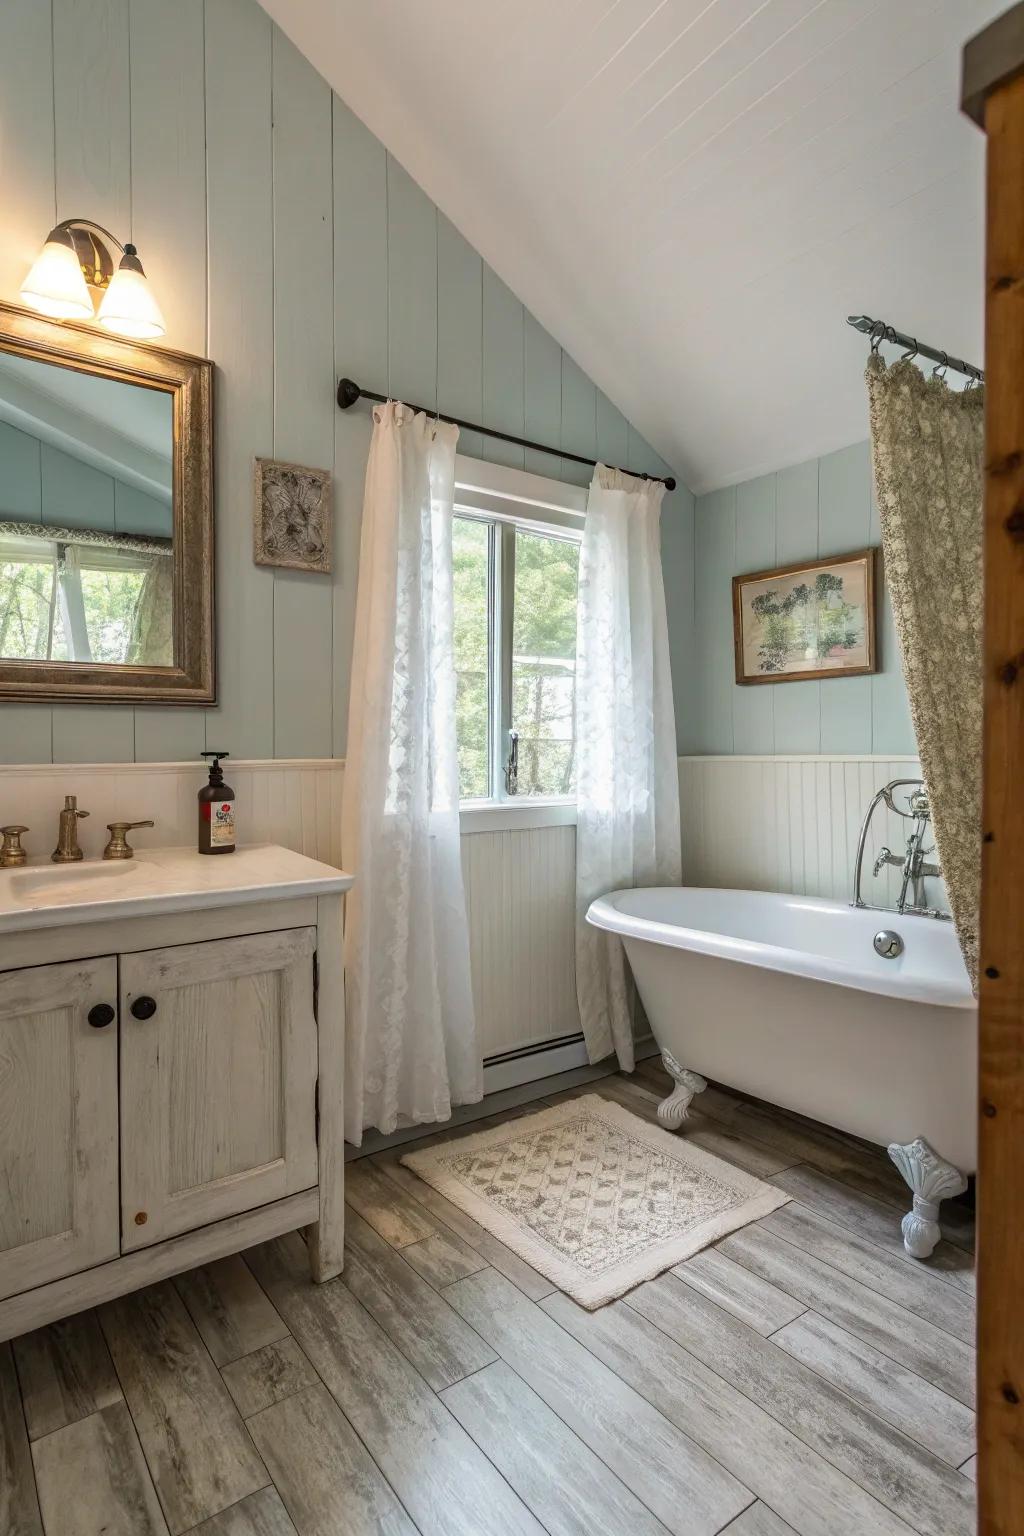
(877, 334)
(908, 357)
(939, 371)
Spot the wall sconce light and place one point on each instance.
(77, 257)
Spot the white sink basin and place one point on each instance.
(65, 881)
(154, 882)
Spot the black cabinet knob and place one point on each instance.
(143, 1008)
(100, 1016)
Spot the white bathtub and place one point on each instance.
(785, 998)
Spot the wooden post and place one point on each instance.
(993, 93)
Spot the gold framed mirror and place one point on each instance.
(106, 517)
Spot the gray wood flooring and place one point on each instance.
(802, 1378)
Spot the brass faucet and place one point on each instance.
(11, 852)
(67, 850)
(119, 847)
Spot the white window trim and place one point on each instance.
(495, 488)
(515, 815)
(499, 492)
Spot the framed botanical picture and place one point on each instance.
(291, 516)
(816, 619)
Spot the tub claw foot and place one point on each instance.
(932, 1180)
(675, 1109)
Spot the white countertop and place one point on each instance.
(157, 880)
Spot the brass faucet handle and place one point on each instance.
(11, 851)
(119, 846)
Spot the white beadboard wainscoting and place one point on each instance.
(521, 900)
(519, 883)
(791, 823)
(295, 802)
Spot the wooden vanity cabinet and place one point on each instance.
(58, 1121)
(159, 1102)
(218, 1081)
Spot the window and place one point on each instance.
(471, 557)
(68, 602)
(515, 656)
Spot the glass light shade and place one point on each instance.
(128, 306)
(55, 285)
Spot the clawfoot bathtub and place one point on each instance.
(786, 998)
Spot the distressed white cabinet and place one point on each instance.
(58, 1121)
(218, 1080)
(170, 1079)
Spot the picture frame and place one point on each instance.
(292, 516)
(814, 619)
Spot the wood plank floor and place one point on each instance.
(802, 1378)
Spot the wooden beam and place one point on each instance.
(1001, 1078)
(991, 60)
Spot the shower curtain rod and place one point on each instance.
(349, 392)
(879, 331)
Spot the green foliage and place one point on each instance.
(544, 662)
(543, 658)
(110, 599)
(469, 567)
(26, 588)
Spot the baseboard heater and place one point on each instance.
(545, 1059)
(508, 1069)
(534, 1050)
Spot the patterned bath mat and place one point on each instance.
(594, 1197)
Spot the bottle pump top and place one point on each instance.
(216, 771)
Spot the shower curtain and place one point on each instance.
(927, 446)
(411, 1047)
(627, 818)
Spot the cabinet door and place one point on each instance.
(218, 1081)
(58, 1122)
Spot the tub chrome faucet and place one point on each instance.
(67, 850)
(913, 862)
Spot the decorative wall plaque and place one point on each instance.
(292, 516)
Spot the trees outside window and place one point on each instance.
(515, 656)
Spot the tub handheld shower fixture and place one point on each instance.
(913, 862)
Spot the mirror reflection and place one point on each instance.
(86, 517)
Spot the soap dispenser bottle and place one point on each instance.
(216, 811)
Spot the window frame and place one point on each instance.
(507, 499)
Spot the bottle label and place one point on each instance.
(222, 824)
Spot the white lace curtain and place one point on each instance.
(151, 643)
(927, 445)
(627, 828)
(411, 1049)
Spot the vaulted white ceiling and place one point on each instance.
(692, 195)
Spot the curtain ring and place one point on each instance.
(908, 357)
(877, 334)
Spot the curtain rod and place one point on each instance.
(879, 332)
(349, 392)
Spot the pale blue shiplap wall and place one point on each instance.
(285, 243)
(42, 484)
(823, 507)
